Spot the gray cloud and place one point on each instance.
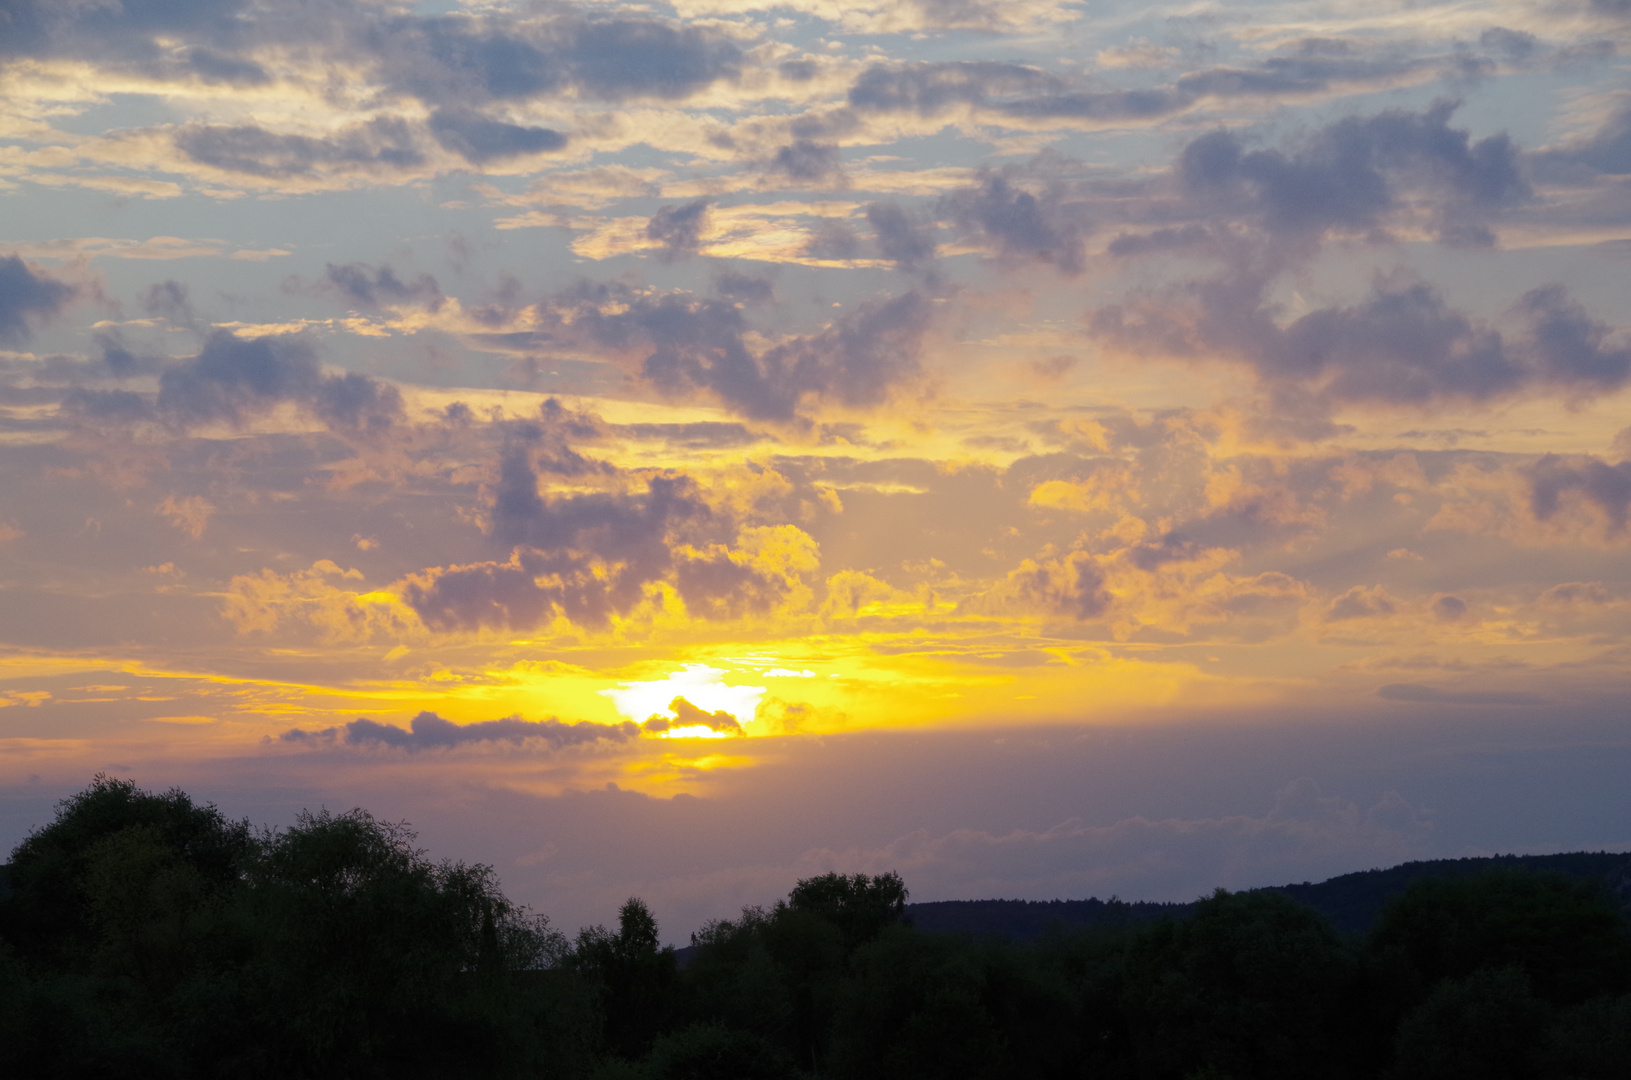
(1576, 594)
(699, 435)
(357, 403)
(962, 14)
(717, 587)
(1517, 44)
(428, 731)
(701, 345)
(902, 241)
(441, 59)
(170, 300)
(833, 240)
(621, 58)
(590, 556)
(806, 159)
(1608, 487)
(456, 64)
(1570, 347)
(1401, 344)
(1019, 224)
(930, 88)
(1608, 150)
(1312, 66)
(115, 407)
(384, 143)
(529, 590)
(479, 139)
(747, 288)
(1178, 238)
(1304, 73)
(233, 378)
(27, 298)
(542, 445)
(214, 67)
(856, 360)
(1449, 608)
(1350, 173)
(583, 556)
(134, 33)
(1359, 602)
(617, 527)
(504, 595)
(374, 286)
(118, 358)
(678, 229)
(1073, 587)
(799, 71)
(458, 59)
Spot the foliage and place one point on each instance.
(145, 935)
(1252, 984)
(155, 938)
(1559, 931)
(631, 975)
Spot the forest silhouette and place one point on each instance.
(147, 935)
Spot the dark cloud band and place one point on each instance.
(428, 731)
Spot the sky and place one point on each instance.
(672, 449)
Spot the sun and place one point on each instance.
(692, 703)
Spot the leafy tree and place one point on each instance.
(1591, 1041)
(1252, 984)
(1561, 932)
(1486, 1026)
(811, 936)
(1093, 963)
(119, 905)
(926, 1006)
(155, 938)
(632, 975)
(858, 906)
(370, 959)
(780, 973)
(708, 1052)
(114, 856)
(733, 980)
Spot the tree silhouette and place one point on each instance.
(633, 976)
(146, 936)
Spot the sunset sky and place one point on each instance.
(1046, 449)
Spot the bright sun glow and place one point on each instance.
(694, 731)
(701, 685)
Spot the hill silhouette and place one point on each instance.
(1351, 902)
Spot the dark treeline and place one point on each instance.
(1352, 902)
(145, 935)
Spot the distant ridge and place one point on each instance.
(1351, 901)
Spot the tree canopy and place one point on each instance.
(147, 935)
